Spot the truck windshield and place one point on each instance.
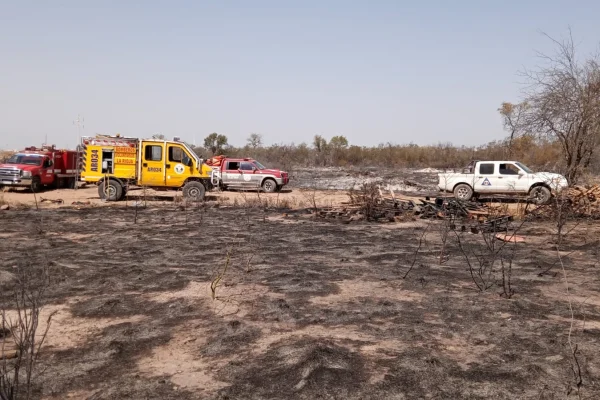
(27, 159)
(259, 165)
(524, 168)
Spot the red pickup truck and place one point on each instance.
(246, 173)
(38, 167)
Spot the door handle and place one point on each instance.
(168, 165)
(145, 164)
(500, 177)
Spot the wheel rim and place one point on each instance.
(538, 195)
(462, 193)
(194, 192)
(110, 191)
(268, 186)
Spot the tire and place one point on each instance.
(112, 191)
(463, 192)
(36, 184)
(71, 183)
(194, 191)
(269, 186)
(540, 195)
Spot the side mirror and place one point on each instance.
(521, 173)
(254, 169)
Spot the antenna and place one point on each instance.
(79, 124)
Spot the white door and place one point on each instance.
(251, 179)
(512, 178)
(486, 178)
(231, 174)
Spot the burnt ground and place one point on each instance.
(305, 309)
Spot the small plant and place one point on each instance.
(220, 274)
(18, 371)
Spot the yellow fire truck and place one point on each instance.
(115, 163)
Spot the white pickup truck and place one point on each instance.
(502, 177)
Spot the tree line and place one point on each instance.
(555, 126)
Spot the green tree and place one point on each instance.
(215, 143)
(320, 143)
(338, 142)
(322, 149)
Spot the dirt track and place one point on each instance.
(88, 197)
(305, 309)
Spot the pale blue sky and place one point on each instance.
(374, 71)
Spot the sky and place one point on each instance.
(374, 71)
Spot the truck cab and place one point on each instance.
(115, 163)
(502, 177)
(247, 174)
(38, 167)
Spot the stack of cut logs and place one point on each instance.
(373, 205)
(575, 202)
(585, 202)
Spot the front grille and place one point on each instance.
(9, 173)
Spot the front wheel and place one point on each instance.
(194, 191)
(36, 184)
(110, 190)
(540, 195)
(269, 186)
(463, 192)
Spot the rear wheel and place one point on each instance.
(36, 184)
(463, 192)
(194, 191)
(110, 190)
(269, 186)
(540, 195)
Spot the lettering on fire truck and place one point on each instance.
(154, 169)
(94, 160)
(125, 150)
(125, 155)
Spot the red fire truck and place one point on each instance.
(246, 173)
(39, 167)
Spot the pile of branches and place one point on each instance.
(371, 204)
(574, 202)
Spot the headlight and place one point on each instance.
(26, 174)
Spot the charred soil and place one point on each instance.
(243, 303)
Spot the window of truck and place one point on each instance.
(246, 166)
(486, 169)
(233, 165)
(509, 169)
(259, 165)
(26, 159)
(153, 153)
(177, 154)
(525, 168)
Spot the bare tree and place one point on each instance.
(563, 103)
(512, 119)
(255, 140)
